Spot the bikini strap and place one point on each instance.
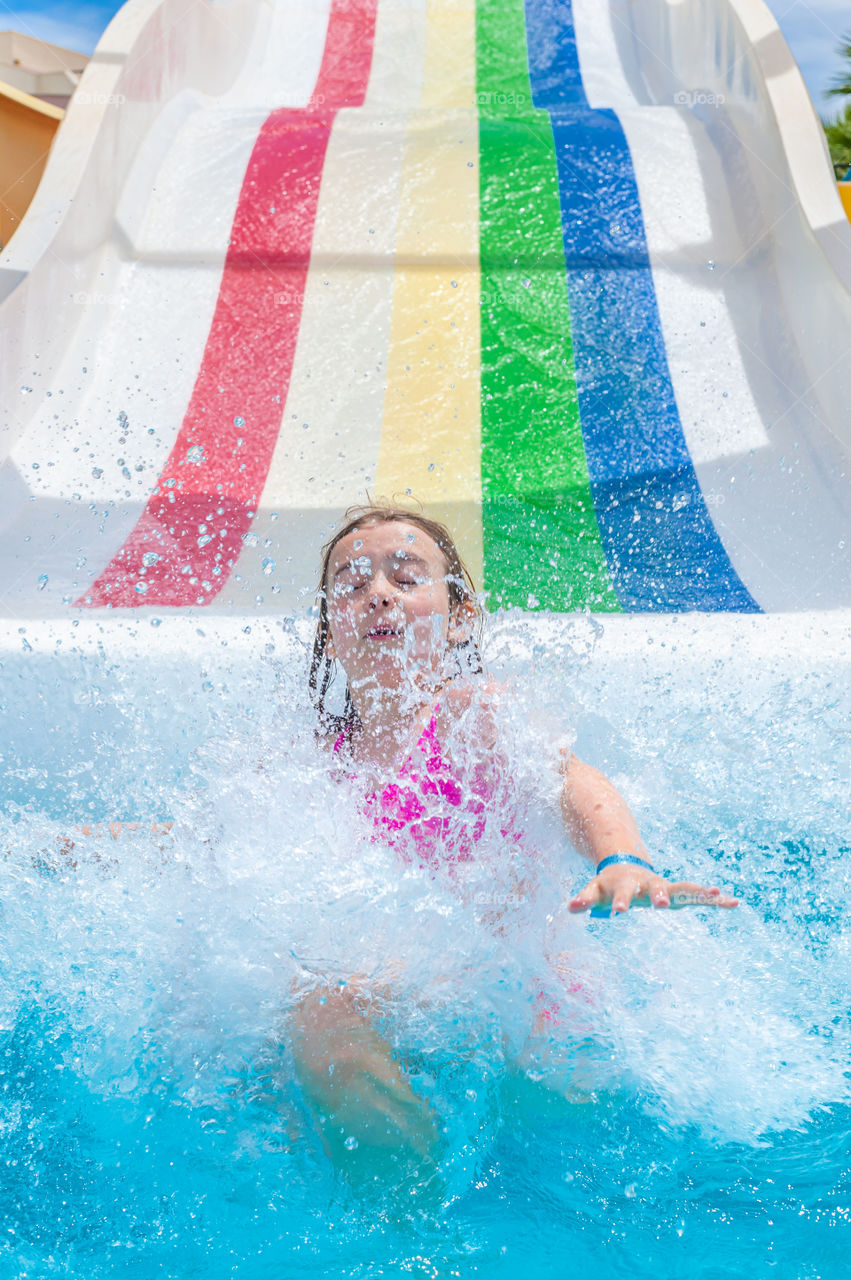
(346, 732)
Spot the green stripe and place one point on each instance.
(542, 545)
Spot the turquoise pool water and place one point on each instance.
(690, 1117)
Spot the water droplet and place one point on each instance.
(469, 164)
(268, 567)
(471, 1095)
(710, 266)
(42, 582)
(357, 544)
(250, 540)
(351, 1143)
(454, 284)
(239, 422)
(195, 453)
(204, 539)
(97, 472)
(141, 587)
(207, 686)
(156, 622)
(149, 558)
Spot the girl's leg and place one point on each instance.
(369, 1116)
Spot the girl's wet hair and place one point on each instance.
(462, 592)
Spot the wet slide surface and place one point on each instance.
(430, 269)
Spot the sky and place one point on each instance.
(813, 29)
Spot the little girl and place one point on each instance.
(419, 738)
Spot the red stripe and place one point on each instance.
(190, 533)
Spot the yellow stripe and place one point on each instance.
(431, 433)
(449, 76)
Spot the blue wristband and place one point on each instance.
(616, 858)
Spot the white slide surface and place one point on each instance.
(110, 286)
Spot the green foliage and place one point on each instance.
(838, 131)
(841, 86)
(838, 134)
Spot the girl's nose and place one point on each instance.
(381, 591)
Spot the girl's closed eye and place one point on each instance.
(348, 586)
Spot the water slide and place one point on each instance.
(576, 275)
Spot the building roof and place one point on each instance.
(37, 56)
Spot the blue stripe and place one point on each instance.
(662, 547)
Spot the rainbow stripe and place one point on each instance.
(438, 271)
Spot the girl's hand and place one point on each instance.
(626, 885)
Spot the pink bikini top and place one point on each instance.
(427, 814)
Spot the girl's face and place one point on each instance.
(388, 604)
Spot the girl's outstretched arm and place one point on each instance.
(600, 825)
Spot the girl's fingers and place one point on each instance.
(620, 891)
(588, 897)
(621, 901)
(658, 890)
(685, 893)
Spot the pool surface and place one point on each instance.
(688, 1116)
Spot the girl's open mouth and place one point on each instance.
(381, 633)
